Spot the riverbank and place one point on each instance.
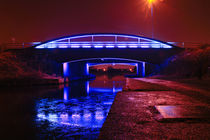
(199, 92)
(15, 72)
(31, 81)
(134, 115)
(193, 81)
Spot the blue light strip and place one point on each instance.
(167, 46)
(75, 46)
(92, 45)
(141, 42)
(122, 46)
(137, 68)
(109, 46)
(40, 47)
(133, 46)
(51, 46)
(63, 46)
(86, 46)
(105, 89)
(65, 69)
(143, 69)
(98, 46)
(145, 46)
(87, 68)
(93, 64)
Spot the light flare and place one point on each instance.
(151, 1)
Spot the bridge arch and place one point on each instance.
(103, 40)
(79, 50)
(79, 69)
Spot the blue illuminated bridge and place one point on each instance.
(78, 52)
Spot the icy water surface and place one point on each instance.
(78, 110)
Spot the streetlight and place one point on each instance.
(151, 3)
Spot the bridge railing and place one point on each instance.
(100, 45)
(103, 45)
(7, 46)
(186, 44)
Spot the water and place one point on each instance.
(81, 111)
(74, 111)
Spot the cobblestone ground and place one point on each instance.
(133, 116)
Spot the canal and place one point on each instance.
(73, 111)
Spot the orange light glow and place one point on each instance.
(150, 2)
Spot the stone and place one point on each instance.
(183, 112)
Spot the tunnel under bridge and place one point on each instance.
(79, 69)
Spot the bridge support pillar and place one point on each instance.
(75, 71)
(141, 69)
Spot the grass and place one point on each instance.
(13, 71)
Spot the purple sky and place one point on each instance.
(41, 20)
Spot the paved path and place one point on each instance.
(159, 84)
(174, 85)
(132, 115)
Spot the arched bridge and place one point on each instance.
(105, 45)
(103, 40)
(122, 47)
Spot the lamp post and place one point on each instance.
(150, 3)
(152, 21)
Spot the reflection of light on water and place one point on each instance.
(85, 112)
(76, 117)
(41, 116)
(52, 117)
(77, 120)
(65, 93)
(99, 115)
(107, 103)
(112, 90)
(73, 100)
(87, 115)
(88, 88)
(64, 117)
(109, 87)
(70, 124)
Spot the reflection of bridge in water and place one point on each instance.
(85, 104)
(78, 52)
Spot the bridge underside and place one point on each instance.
(155, 56)
(51, 60)
(79, 69)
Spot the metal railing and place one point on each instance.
(30, 44)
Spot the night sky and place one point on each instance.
(41, 20)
